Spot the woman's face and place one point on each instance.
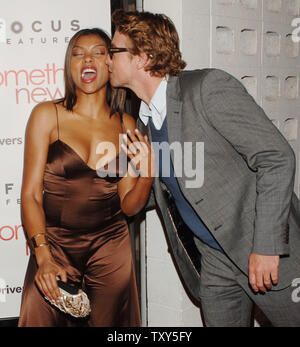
(88, 69)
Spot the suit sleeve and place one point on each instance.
(237, 117)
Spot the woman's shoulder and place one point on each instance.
(44, 113)
(46, 107)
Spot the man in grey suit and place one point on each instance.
(235, 236)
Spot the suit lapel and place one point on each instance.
(174, 110)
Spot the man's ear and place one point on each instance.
(142, 61)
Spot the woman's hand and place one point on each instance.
(134, 188)
(46, 275)
(140, 152)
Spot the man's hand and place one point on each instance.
(263, 271)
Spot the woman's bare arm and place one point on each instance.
(41, 125)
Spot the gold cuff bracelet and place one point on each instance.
(42, 240)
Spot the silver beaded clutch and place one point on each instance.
(73, 301)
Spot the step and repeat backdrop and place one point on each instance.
(33, 38)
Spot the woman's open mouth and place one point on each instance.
(88, 75)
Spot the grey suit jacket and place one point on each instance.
(245, 198)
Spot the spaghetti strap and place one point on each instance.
(57, 121)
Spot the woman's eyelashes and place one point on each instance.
(95, 53)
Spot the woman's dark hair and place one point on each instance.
(115, 96)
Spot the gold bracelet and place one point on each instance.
(42, 242)
(41, 245)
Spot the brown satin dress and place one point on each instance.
(88, 236)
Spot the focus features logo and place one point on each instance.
(40, 32)
(11, 195)
(38, 26)
(2, 30)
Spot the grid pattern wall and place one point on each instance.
(255, 41)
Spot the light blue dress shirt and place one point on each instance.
(157, 108)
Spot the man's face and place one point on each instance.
(121, 65)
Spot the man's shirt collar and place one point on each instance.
(157, 108)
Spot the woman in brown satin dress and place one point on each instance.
(74, 218)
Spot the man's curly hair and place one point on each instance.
(156, 36)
